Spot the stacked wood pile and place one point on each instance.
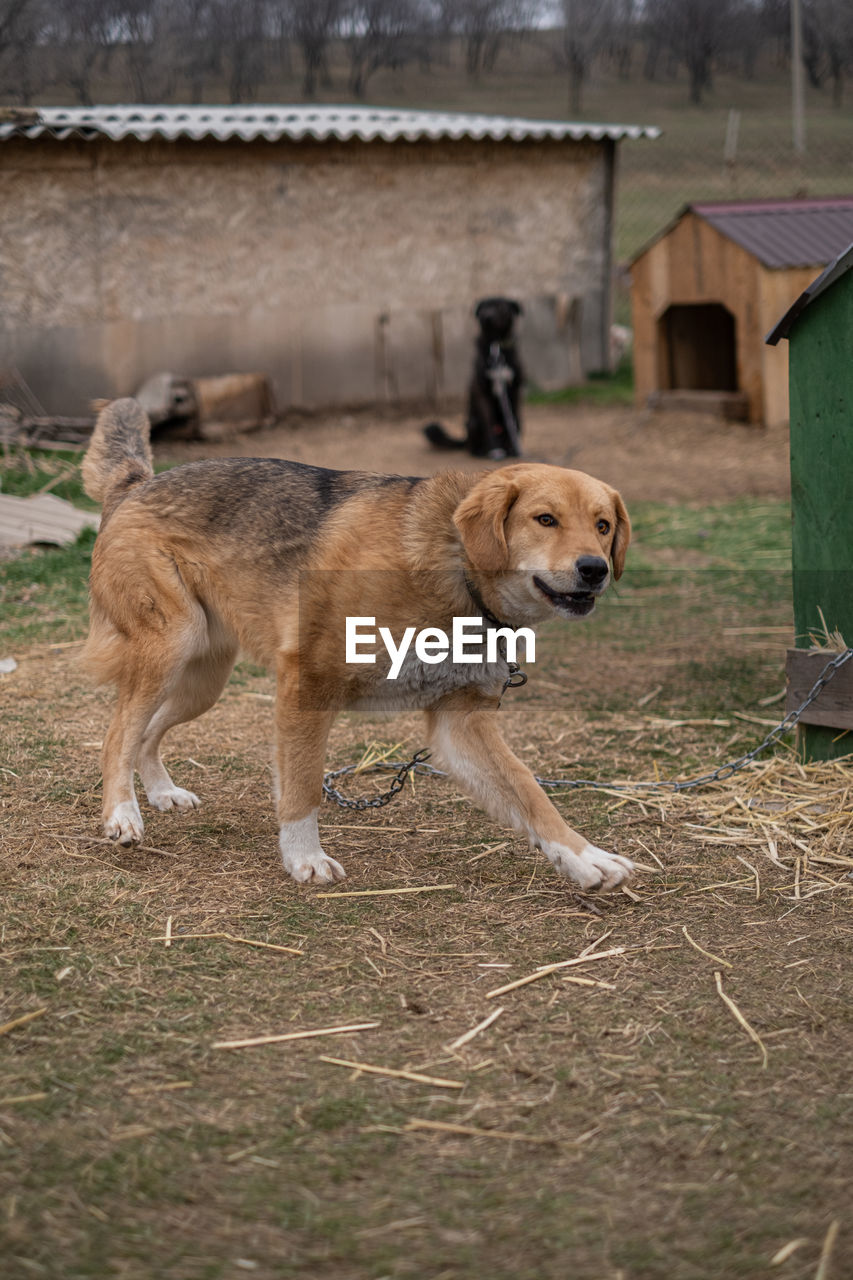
(188, 408)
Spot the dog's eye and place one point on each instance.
(603, 527)
(547, 520)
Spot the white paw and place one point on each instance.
(315, 867)
(164, 798)
(302, 855)
(592, 868)
(124, 824)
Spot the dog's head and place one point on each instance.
(496, 317)
(542, 540)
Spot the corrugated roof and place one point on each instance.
(785, 233)
(41, 518)
(296, 122)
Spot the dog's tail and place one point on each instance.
(119, 455)
(441, 439)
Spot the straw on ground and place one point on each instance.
(294, 1035)
(378, 893)
(730, 1004)
(552, 968)
(168, 938)
(24, 1018)
(415, 1076)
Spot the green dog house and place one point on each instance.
(819, 329)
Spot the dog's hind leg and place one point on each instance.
(140, 695)
(194, 690)
(302, 730)
(163, 675)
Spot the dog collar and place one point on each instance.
(516, 677)
(481, 605)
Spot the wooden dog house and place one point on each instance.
(707, 289)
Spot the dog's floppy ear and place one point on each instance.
(516, 307)
(480, 519)
(484, 302)
(621, 537)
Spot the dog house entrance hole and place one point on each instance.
(696, 347)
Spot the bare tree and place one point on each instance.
(313, 25)
(828, 43)
(622, 35)
(240, 31)
(747, 37)
(22, 27)
(85, 32)
(196, 44)
(774, 18)
(12, 17)
(139, 24)
(697, 32)
(587, 25)
(382, 33)
(482, 26)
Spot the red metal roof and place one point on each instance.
(784, 233)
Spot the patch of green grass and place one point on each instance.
(246, 671)
(601, 389)
(43, 594)
(25, 472)
(43, 590)
(337, 1113)
(39, 744)
(747, 534)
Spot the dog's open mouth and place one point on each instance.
(575, 603)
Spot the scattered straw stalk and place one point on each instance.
(293, 1035)
(415, 1076)
(739, 1018)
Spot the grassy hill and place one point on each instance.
(655, 178)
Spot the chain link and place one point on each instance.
(404, 768)
(725, 770)
(417, 762)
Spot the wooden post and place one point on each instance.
(798, 112)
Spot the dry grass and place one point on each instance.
(521, 1081)
(796, 816)
(595, 1118)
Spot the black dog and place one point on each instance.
(493, 425)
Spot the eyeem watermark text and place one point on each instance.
(469, 641)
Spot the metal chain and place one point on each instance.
(500, 374)
(417, 762)
(376, 802)
(725, 770)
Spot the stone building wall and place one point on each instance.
(346, 270)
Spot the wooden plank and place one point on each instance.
(777, 290)
(732, 405)
(645, 328)
(833, 708)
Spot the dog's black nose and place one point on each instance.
(592, 570)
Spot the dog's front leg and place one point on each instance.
(468, 740)
(301, 733)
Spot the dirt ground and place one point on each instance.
(669, 1103)
(647, 456)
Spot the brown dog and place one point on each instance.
(274, 557)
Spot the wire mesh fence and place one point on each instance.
(728, 156)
